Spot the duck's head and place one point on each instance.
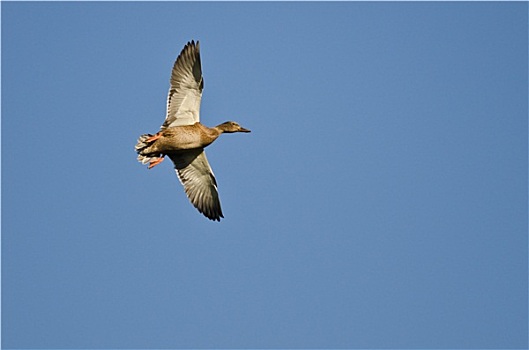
(231, 127)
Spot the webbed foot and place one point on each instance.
(154, 137)
(156, 161)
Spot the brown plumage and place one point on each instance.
(183, 138)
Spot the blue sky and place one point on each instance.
(379, 202)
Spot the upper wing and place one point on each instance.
(183, 101)
(195, 174)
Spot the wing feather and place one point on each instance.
(199, 182)
(185, 93)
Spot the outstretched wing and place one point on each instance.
(183, 101)
(199, 183)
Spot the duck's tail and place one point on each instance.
(141, 145)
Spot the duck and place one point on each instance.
(183, 138)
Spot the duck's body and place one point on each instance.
(186, 137)
(183, 138)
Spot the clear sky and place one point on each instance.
(379, 202)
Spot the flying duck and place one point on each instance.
(183, 138)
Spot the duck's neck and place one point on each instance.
(210, 134)
(221, 128)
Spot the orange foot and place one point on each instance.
(155, 162)
(154, 137)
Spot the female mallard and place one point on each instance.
(183, 138)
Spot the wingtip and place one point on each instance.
(193, 43)
(213, 216)
(191, 48)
